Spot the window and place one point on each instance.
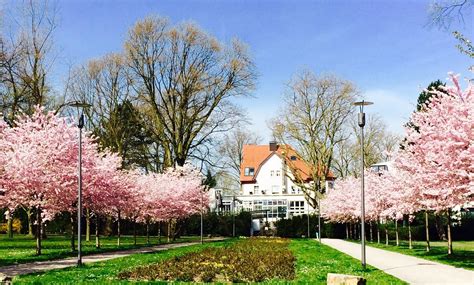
(297, 207)
(278, 173)
(272, 172)
(249, 171)
(255, 189)
(293, 157)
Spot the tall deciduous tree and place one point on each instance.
(314, 113)
(27, 60)
(187, 79)
(379, 143)
(118, 125)
(231, 150)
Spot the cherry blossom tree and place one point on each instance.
(34, 153)
(442, 148)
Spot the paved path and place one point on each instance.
(40, 266)
(408, 268)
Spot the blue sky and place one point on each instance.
(384, 47)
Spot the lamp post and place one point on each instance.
(361, 122)
(319, 219)
(80, 124)
(202, 222)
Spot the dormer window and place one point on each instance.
(293, 157)
(249, 171)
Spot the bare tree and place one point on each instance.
(442, 13)
(27, 59)
(187, 79)
(117, 123)
(314, 113)
(231, 150)
(379, 144)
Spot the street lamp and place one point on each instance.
(202, 222)
(361, 122)
(80, 124)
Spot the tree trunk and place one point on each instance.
(350, 230)
(358, 231)
(450, 241)
(370, 233)
(440, 227)
(378, 231)
(159, 232)
(88, 225)
(118, 228)
(347, 231)
(39, 233)
(134, 232)
(108, 226)
(169, 231)
(147, 232)
(427, 228)
(29, 215)
(396, 233)
(97, 241)
(73, 247)
(410, 246)
(10, 225)
(386, 233)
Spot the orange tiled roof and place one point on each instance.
(255, 155)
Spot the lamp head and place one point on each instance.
(80, 106)
(361, 116)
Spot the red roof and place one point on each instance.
(256, 155)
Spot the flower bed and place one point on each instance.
(250, 260)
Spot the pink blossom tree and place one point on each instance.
(442, 149)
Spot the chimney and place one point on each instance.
(273, 146)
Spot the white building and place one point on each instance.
(266, 175)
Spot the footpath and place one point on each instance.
(407, 268)
(9, 271)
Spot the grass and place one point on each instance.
(463, 252)
(21, 249)
(313, 262)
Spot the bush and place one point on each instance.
(217, 224)
(16, 226)
(297, 226)
(250, 260)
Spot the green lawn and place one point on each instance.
(313, 263)
(21, 249)
(463, 251)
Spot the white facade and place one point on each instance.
(274, 191)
